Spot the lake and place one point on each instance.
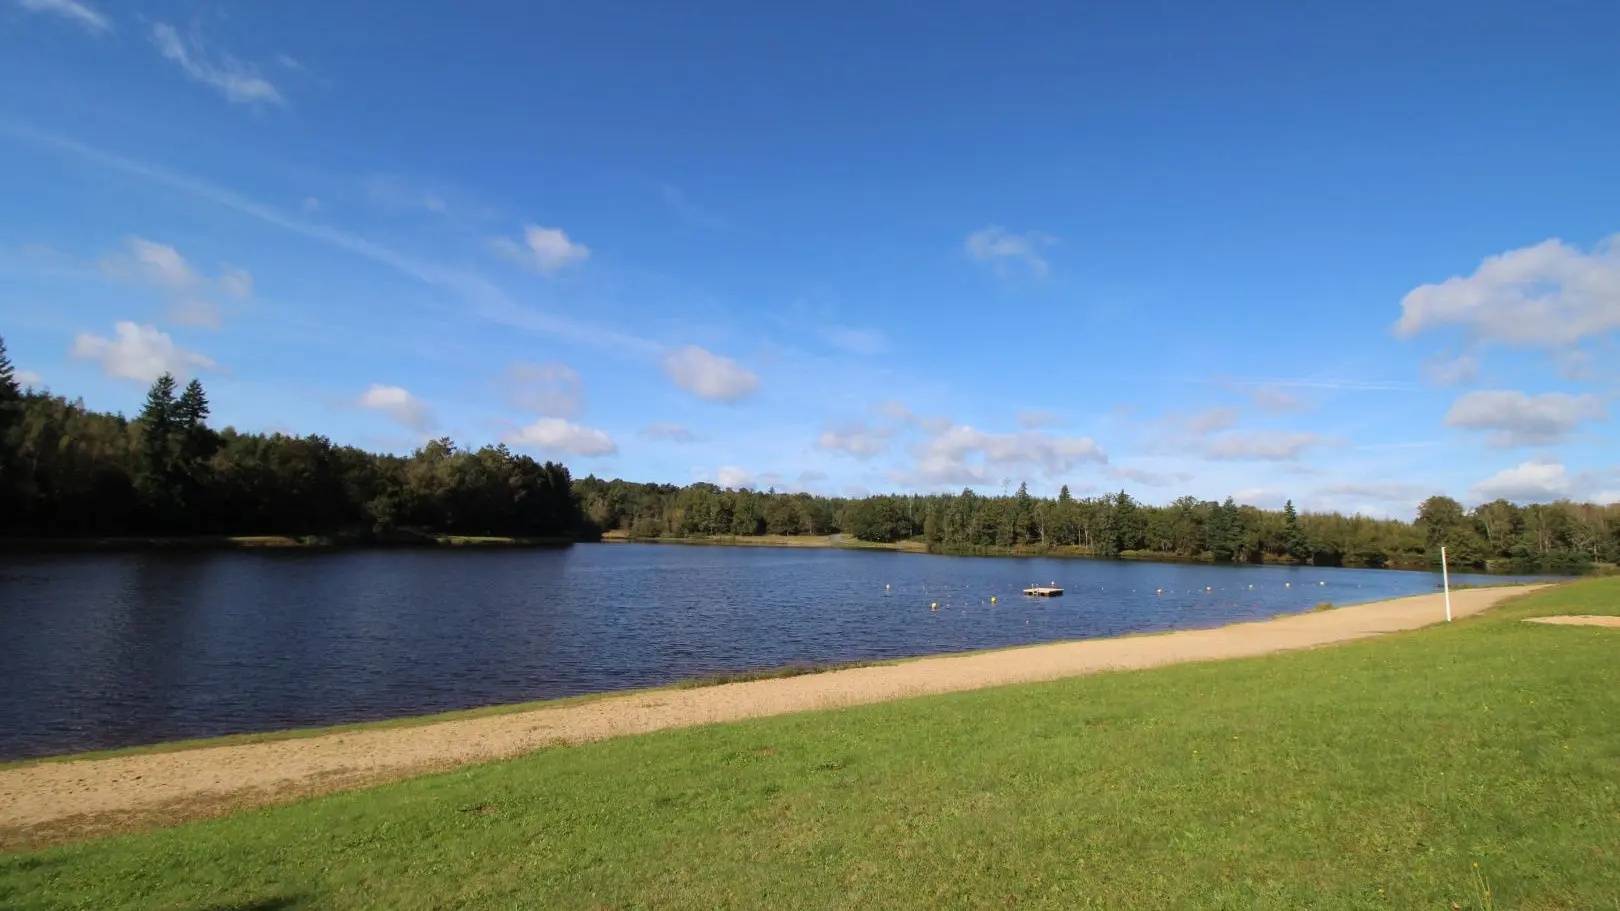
(111, 650)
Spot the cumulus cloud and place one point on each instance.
(668, 432)
(856, 438)
(399, 405)
(1547, 295)
(1457, 371)
(1260, 445)
(138, 352)
(237, 81)
(545, 250)
(190, 293)
(78, 12)
(732, 477)
(1527, 482)
(1516, 419)
(565, 437)
(1277, 400)
(710, 376)
(1000, 248)
(27, 378)
(551, 390)
(964, 455)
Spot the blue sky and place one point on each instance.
(1348, 255)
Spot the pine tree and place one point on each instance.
(159, 439)
(1225, 532)
(1294, 540)
(9, 390)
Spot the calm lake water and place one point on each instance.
(100, 651)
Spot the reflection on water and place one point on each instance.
(111, 650)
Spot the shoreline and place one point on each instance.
(48, 546)
(57, 799)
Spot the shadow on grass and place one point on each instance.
(276, 903)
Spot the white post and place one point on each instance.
(1445, 576)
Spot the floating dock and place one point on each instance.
(1043, 592)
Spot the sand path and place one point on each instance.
(56, 801)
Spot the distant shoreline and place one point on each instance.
(400, 540)
(15, 545)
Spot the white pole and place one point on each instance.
(1445, 575)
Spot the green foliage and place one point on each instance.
(73, 472)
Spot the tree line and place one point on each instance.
(67, 471)
(1558, 537)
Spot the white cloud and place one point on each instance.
(290, 62)
(27, 378)
(311, 204)
(1263, 497)
(854, 340)
(1032, 419)
(668, 432)
(963, 455)
(730, 476)
(1528, 482)
(1277, 400)
(1548, 295)
(1384, 491)
(1516, 419)
(237, 81)
(1213, 420)
(1457, 371)
(1150, 478)
(998, 247)
(856, 438)
(188, 291)
(137, 352)
(710, 376)
(1260, 445)
(558, 435)
(545, 250)
(550, 390)
(398, 404)
(82, 13)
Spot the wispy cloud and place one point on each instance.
(563, 437)
(1516, 419)
(689, 210)
(1000, 248)
(483, 297)
(73, 10)
(191, 294)
(237, 81)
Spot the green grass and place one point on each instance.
(1420, 770)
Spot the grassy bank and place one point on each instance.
(1469, 766)
(267, 542)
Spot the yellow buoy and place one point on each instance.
(992, 599)
(934, 606)
(1159, 592)
(1208, 589)
(1251, 585)
(1288, 585)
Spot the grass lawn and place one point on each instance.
(1471, 766)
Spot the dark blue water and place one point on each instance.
(100, 651)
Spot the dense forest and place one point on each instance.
(1560, 537)
(66, 471)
